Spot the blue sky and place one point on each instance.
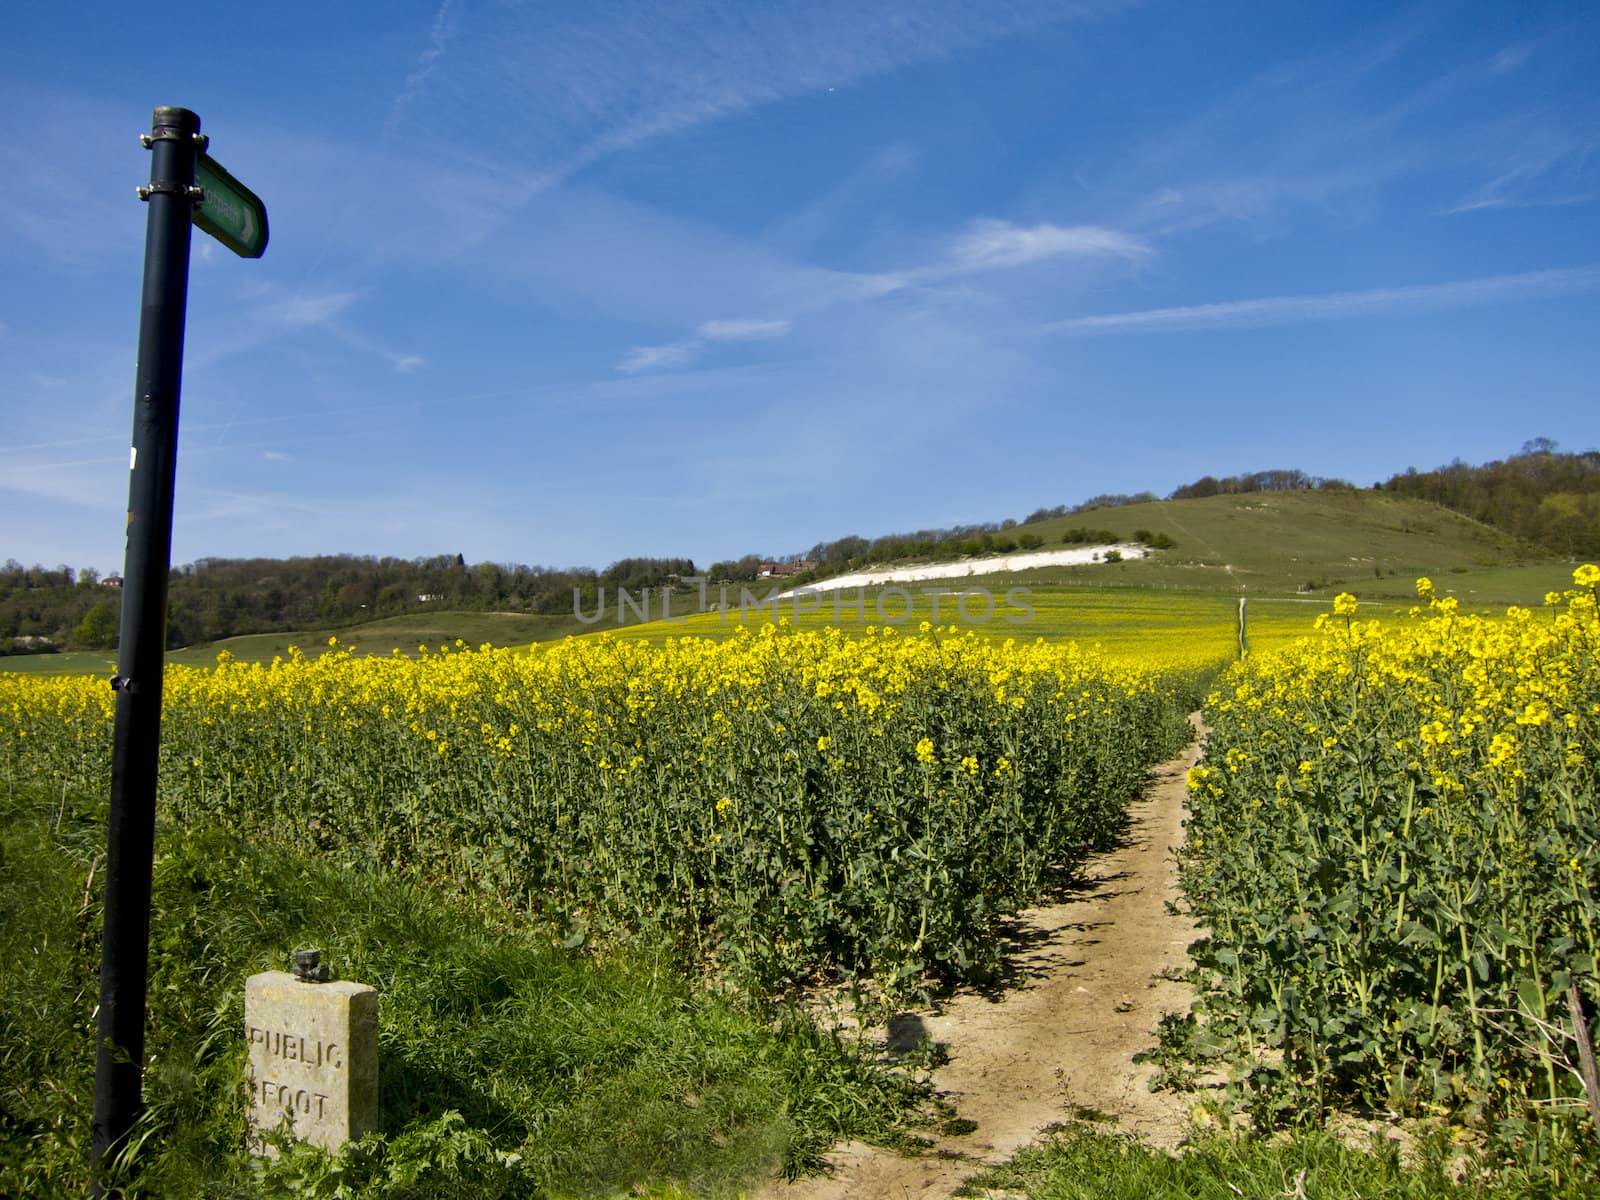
(562, 283)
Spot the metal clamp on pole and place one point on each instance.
(147, 140)
(197, 194)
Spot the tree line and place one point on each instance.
(1540, 494)
(211, 598)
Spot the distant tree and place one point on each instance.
(739, 570)
(99, 628)
(1548, 498)
(1114, 500)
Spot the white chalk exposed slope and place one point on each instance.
(997, 565)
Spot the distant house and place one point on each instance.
(425, 597)
(111, 581)
(770, 570)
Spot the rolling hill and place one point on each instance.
(1278, 548)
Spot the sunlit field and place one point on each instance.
(1156, 629)
(1392, 842)
(1390, 837)
(780, 803)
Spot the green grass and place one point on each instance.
(69, 662)
(1281, 541)
(1159, 628)
(1081, 1163)
(1118, 606)
(375, 637)
(1268, 546)
(1122, 620)
(392, 633)
(509, 1066)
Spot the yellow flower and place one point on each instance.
(1537, 712)
(925, 750)
(1587, 575)
(824, 742)
(969, 764)
(1424, 587)
(1345, 605)
(1434, 733)
(1502, 748)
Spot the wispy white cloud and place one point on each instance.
(990, 244)
(1510, 58)
(742, 330)
(1308, 141)
(655, 358)
(846, 202)
(274, 456)
(77, 156)
(1490, 196)
(426, 65)
(301, 309)
(86, 482)
(678, 354)
(1547, 169)
(985, 246)
(272, 313)
(1281, 310)
(614, 77)
(404, 363)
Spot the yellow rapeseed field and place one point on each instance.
(780, 803)
(1395, 842)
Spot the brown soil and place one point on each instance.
(1096, 983)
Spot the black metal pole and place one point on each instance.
(125, 948)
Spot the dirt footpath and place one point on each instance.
(1094, 991)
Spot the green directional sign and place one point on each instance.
(229, 211)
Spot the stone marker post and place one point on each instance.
(313, 1046)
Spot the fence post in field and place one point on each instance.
(1590, 1076)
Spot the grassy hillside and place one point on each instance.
(1270, 546)
(1291, 541)
(393, 633)
(375, 637)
